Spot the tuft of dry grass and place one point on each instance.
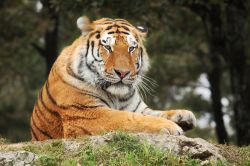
(236, 155)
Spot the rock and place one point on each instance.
(197, 148)
(19, 158)
(178, 145)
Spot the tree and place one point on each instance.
(50, 49)
(225, 23)
(235, 55)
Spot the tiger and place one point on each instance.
(92, 87)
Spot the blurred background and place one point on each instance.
(199, 51)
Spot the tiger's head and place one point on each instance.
(112, 55)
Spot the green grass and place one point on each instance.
(125, 149)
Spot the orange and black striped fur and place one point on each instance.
(92, 87)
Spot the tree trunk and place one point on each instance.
(51, 44)
(214, 78)
(213, 25)
(50, 50)
(236, 13)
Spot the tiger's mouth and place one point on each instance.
(118, 89)
(118, 84)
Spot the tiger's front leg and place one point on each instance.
(101, 120)
(184, 118)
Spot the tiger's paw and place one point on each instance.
(173, 130)
(184, 118)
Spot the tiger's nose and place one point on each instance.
(121, 73)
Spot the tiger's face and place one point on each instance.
(115, 55)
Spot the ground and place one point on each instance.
(122, 149)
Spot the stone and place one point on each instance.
(18, 158)
(196, 148)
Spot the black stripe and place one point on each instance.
(91, 69)
(127, 97)
(89, 65)
(34, 134)
(39, 118)
(97, 97)
(144, 109)
(81, 59)
(87, 92)
(108, 28)
(124, 27)
(37, 107)
(77, 105)
(108, 22)
(92, 48)
(123, 107)
(45, 106)
(75, 117)
(98, 52)
(83, 129)
(137, 106)
(110, 97)
(138, 67)
(48, 93)
(139, 60)
(80, 106)
(93, 33)
(124, 32)
(43, 132)
(124, 23)
(70, 72)
(92, 51)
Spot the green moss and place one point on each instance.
(125, 149)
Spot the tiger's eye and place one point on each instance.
(108, 48)
(131, 49)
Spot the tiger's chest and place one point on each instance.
(125, 104)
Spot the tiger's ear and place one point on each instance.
(142, 29)
(84, 24)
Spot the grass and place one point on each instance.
(125, 149)
(235, 155)
(4, 141)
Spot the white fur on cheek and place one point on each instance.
(118, 90)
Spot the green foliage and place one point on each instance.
(124, 149)
(50, 154)
(46, 161)
(129, 150)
